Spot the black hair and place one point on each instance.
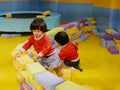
(62, 38)
(38, 23)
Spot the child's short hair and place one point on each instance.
(39, 24)
(62, 38)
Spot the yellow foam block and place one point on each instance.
(66, 74)
(116, 41)
(15, 65)
(35, 84)
(47, 12)
(69, 85)
(72, 31)
(109, 31)
(20, 78)
(40, 16)
(34, 68)
(77, 34)
(18, 47)
(118, 46)
(8, 15)
(24, 74)
(88, 28)
(23, 60)
(77, 41)
(14, 52)
(91, 20)
(52, 32)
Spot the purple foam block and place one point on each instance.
(113, 50)
(66, 26)
(21, 87)
(108, 37)
(83, 20)
(116, 36)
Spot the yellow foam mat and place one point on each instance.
(101, 70)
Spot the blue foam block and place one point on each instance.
(48, 80)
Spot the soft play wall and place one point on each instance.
(18, 5)
(106, 12)
(70, 10)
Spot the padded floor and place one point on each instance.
(101, 69)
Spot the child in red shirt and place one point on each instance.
(46, 53)
(68, 51)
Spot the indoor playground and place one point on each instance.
(94, 26)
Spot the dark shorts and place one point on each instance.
(71, 64)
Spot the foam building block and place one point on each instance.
(21, 87)
(8, 15)
(94, 30)
(91, 20)
(14, 52)
(108, 37)
(73, 33)
(23, 60)
(116, 41)
(15, 65)
(75, 23)
(83, 37)
(113, 50)
(20, 78)
(66, 74)
(30, 85)
(118, 46)
(110, 43)
(35, 84)
(101, 35)
(52, 32)
(26, 86)
(69, 85)
(109, 31)
(77, 41)
(116, 36)
(34, 68)
(48, 80)
(83, 20)
(67, 26)
(24, 74)
(114, 33)
(103, 43)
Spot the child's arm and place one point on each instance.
(18, 54)
(37, 56)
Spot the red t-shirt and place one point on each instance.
(42, 45)
(69, 52)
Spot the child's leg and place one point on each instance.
(73, 64)
(77, 67)
(58, 70)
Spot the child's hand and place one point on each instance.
(17, 55)
(36, 57)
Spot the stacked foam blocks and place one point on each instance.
(32, 76)
(111, 40)
(78, 30)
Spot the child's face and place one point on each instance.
(37, 33)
